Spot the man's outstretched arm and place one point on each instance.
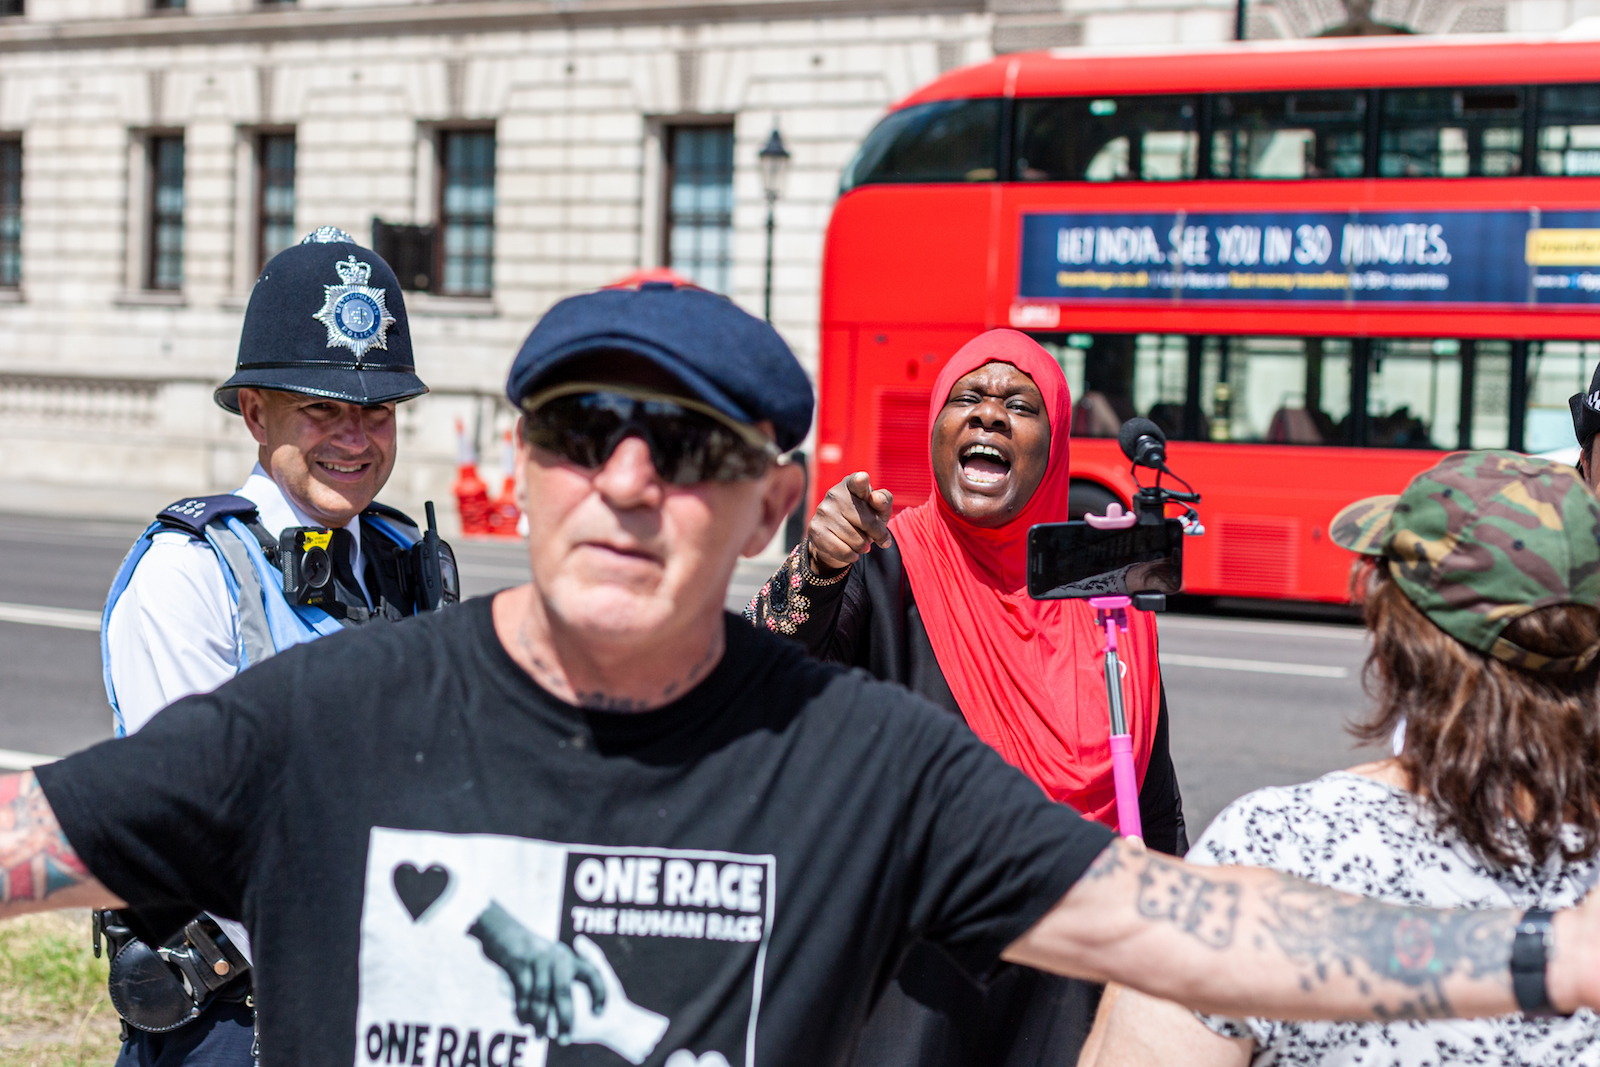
(1245, 941)
(39, 871)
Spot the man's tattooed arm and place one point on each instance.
(38, 868)
(1247, 941)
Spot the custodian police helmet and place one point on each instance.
(326, 318)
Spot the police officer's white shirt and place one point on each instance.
(175, 629)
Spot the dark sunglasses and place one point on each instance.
(689, 442)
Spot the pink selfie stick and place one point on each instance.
(1111, 612)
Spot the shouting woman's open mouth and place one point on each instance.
(984, 465)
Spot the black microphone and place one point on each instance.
(1143, 442)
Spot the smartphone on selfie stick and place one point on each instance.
(1116, 561)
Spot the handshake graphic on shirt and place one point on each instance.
(571, 995)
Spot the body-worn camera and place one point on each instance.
(307, 567)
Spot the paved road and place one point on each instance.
(1253, 702)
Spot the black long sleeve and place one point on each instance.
(825, 615)
(1160, 803)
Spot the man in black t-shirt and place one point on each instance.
(594, 818)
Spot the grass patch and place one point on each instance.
(54, 1011)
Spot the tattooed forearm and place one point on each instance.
(1199, 906)
(1249, 941)
(1366, 940)
(35, 858)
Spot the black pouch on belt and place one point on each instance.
(161, 989)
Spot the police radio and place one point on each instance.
(307, 567)
(433, 567)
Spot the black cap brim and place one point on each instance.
(370, 385)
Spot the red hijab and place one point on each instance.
(1027, 674)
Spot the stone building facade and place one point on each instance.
(157, 153)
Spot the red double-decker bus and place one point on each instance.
(1317, 265)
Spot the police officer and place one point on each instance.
(301, 550)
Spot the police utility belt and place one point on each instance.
(161, 989)
(285, 593)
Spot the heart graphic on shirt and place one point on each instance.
(684, 1058)
(418, 890)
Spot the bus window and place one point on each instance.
(1414, 393)
(1490, 418)
(1288, 135)
(1276, 390)
(943, 141)
(1114, 377)
(1124, 138)
(1569, 129)
(1451, 133)
(1556, 370)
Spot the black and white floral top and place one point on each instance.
(1361, 836)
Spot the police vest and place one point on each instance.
(268, 622)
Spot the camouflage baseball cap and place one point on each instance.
(1482, 539)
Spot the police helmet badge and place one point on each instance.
(354, 312)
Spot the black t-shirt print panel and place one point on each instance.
(408, 824)
(652, 924)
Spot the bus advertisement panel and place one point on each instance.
(1436, 257)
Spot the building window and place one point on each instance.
(700, 204)
(466, 212)
(10, 7)
(168, 5)
(10, 213)
(275, 182)
(166, 213)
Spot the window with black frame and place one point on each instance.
(10, 7)
(1451, 133)
(1289, 135)
(466, 212)
(10, 212)
(1430, 393)
(275, 219)
(699, 222)
(942, 141)
(1569, 129)
(165, 268)
(1102, 139)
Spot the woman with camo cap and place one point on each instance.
(1481, 585)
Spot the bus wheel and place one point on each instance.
(1086, 497)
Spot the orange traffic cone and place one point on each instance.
(472, 496)
(503, 512)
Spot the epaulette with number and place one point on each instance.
(194, 513)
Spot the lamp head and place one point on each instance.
(774, 161)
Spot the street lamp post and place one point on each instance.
(774, 161)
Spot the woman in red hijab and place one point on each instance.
(942, 607)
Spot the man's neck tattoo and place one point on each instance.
(599, 700)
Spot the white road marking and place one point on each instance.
(22, 761)
(475, 570)
(1276, 629)
(65, 618)
(1254, 666)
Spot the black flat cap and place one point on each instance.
(326, 318)
(725, 356)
